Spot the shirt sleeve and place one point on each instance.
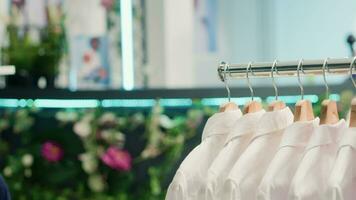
(176, 190)
(209, 192)
(230, 191)
(334, 193)
(262, 195)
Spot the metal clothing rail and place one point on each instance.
(286, 68)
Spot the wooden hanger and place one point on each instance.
(328, 113)
(303, 109)
(229, 106)
(276, 105)
(252, 106)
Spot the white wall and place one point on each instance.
(178, 43)
(239, 39)
(170, 43)
(254, 30)
(313, 29)
(155, 43)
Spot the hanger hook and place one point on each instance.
(300, 68)
(226, 67)
(248, 70)
(352, 65)
(274, 69)
(325, 66)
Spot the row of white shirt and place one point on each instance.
(267, 156)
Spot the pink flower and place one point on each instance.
(117, 159)
(51, 151)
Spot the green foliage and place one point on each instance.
(85, 135)
(34, 57)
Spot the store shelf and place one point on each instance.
(263, 92)
(57, 98)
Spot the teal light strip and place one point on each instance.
(184, 102)
(335, 97)
(107, 103)
(66, 103)
(293, 99)
(219, 101)
(22, 103)
(9, 103)
(141, 103)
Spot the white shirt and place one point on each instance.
(310, 180)
(248, 171)
(342, 180)
(276, 182)
(237, 141)
(189, 179)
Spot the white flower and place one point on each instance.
(27, 160)
(166, 122)
(88, 117)
(138, 118)
(106, 135)
(7, 171)
(119, 136)
(96, 183)
(66, 116)
(108, 117)
(28, 173)
(82, 129)
(89, 163)
(113, 136)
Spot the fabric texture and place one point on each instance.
(342, 180)
(310, 180)
(246, 174)
(276, 182)
(237, 141)
(190, 178)
(4, 191)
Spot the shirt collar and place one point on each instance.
(349, 138)
(221, 123)
(274, 120)
(327, 134)
(298, 134)
(245, 125)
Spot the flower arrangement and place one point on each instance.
(93, 154)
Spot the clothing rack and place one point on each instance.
(287, 68)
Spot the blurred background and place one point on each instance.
(110, 95)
